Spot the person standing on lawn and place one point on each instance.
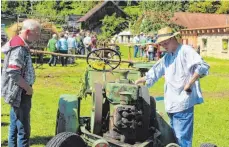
(136, 41)
(93, 42)
(18, 76)
(150, 50)
(87, 43)
(143, 45)
(71, 47)
(182, 67)
(62, 46)
(52, 48)
(80, 45)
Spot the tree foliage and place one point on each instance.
(204, 6)
(54, 10)
(110, 24)
(223, 8)
(44, 8)
(15, 7)
(155, 15)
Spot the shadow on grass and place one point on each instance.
(41, 140)
(4, 143)
(3, 124)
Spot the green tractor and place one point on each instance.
(123, 114)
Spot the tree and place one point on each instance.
(15, 7)
(223, 8)
(46, 7)
(156, 14)
(110, 24)
(204, 6)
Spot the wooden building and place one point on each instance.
(92, 19)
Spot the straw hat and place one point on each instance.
(165, 33)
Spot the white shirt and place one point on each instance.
(87, 41)
(178, 68)
(136, 39)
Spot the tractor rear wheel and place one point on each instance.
(66, 139)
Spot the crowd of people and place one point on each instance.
(71, 43)
(144, 46)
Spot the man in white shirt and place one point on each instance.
(181, 67)
(87, 43)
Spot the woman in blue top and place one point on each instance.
(62, 46)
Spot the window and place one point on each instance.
(225, 44)
(204, 43)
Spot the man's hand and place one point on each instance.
(29, 91)
(187, 88)
(141, 80)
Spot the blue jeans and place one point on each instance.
(135, 51)
(64, 60)
(53, 60)
(19, 129)
(82, 51)
(150, 56)
(182, 125)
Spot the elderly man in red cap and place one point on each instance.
(182, 67)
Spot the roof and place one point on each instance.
(205, 28)
(198, 20)
(97, 8)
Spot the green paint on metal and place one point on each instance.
(146, 65)
(93, 76)
(113, 91)
(68, 107)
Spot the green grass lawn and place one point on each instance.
(211, 118)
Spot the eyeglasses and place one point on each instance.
(165, 43)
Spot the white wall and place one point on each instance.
(124, 39)
(214, 47)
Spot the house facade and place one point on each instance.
(125, 37)
(211, 41)
(208, 33)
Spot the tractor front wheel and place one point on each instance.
(66, 139)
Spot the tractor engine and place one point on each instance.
(130, 113)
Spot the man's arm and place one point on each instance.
(191, 82)
(24, 85)
(196, 65)
(14, 69)
(141, 80)
(153, 74)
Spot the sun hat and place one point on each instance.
(165, 33)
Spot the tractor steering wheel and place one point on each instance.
(104, 59)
